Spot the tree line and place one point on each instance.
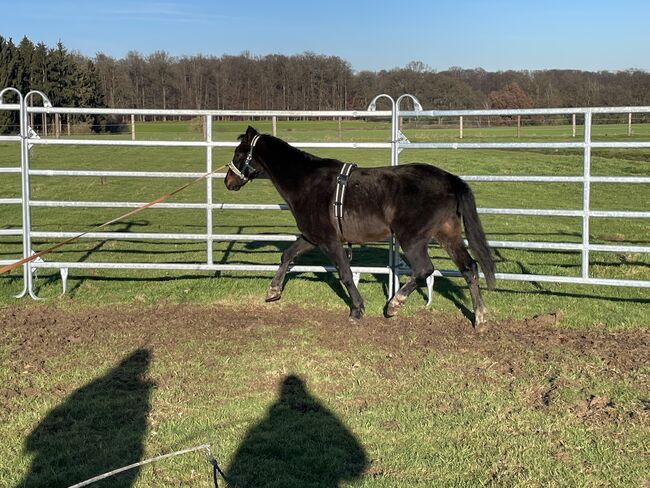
(306, 81)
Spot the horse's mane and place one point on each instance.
(308, 156)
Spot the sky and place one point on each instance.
(371, 35)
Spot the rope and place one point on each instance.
(9, 267)
(211, 459)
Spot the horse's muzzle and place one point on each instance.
(232, 182)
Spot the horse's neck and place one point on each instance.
(288, 167)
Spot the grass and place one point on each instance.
(464, 412)
(130, 365)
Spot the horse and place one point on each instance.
(416, 202)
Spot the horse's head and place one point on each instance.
(243, 166)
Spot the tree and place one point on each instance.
(306, 81)
(9, 60)
(59, 84)
(510, 96)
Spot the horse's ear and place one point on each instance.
(250, 134)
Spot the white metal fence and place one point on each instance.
(586, 179)
(394, 267)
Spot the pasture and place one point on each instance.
(131, 364)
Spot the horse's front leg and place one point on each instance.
(300, 246)
(336, 253)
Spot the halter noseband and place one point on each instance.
(246, 169)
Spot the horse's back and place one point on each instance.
(408, 184)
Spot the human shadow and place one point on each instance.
(299, 443)
(98, 428)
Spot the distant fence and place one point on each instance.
(393, 267)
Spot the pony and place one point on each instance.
(416, 202)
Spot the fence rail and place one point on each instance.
(394, 266)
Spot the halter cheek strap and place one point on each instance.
(246, 167)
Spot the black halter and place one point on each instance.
(246, 170)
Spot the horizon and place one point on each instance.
(582, 36)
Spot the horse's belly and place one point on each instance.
(365, 229)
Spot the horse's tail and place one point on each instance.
(474, 232)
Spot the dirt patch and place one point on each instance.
(39, 331)
(538, 349)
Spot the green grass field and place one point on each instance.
(513, 299)
(133, 364)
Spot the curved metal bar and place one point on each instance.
(417, 106)
(372, 106)
(24, 292)
(46, 101)
(14, 90)
(25, 209)
(27, 221)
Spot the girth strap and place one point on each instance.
(339, 197)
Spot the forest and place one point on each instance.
(306, 81)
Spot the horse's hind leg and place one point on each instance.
(300, 246)
(418, 257)
(468, 268)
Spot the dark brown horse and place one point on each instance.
(417, 202)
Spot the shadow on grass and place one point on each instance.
(299, 443)
(363, 255)
(98, 428)
(452, 292)
(126, 227)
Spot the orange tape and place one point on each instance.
(9, 267)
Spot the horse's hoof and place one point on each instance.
(481, 328)
(480, 323)
(273, 295)
(392, 309)
(355, 315)
(394, 305)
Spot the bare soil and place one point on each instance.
(36, 333)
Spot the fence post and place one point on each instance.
(23, 124)
(275, 125)
(629, 124)
(461, 126)
(573, 125)
(24, 179)
(133, 127)
(208, 188)
(393, 257)
(586, 196)
(26, 198)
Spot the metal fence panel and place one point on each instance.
(394, 267)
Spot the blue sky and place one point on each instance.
(370, 34)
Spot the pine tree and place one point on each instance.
(8, 67)
(88, 92)
(38, 71)
(25, 53)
